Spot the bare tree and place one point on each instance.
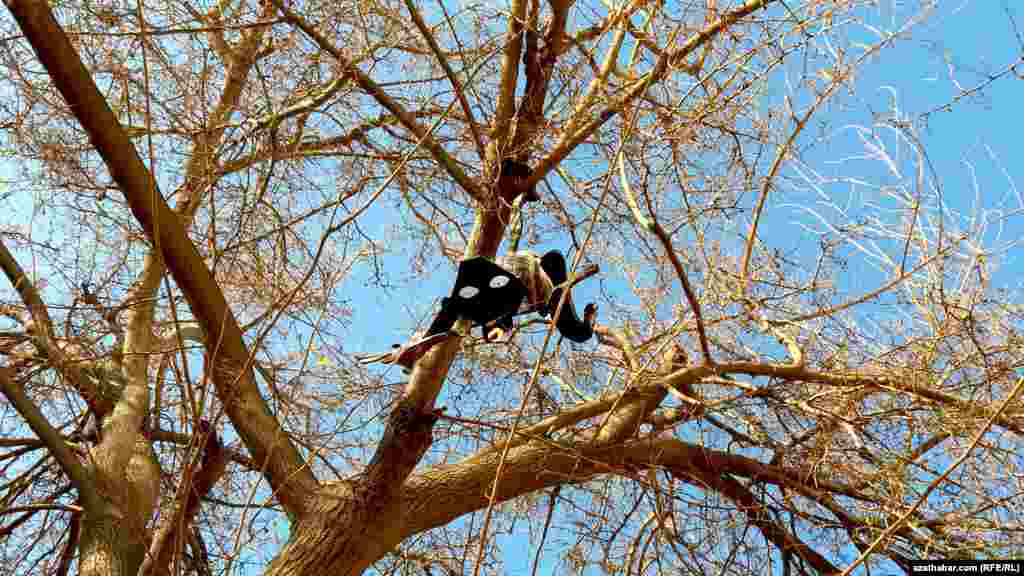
(211, 187)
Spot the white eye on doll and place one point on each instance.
(468, 292)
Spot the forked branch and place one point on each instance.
(289, 477)
(377, 92)
(650, 224)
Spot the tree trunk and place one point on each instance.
(351, 525)
(113, 533)
(108, 547)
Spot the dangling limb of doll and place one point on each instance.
(568, 323)
(406, 356)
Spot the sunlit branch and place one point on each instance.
(506, 104)
(570, 141)
(797, 373)
(50, 436)
(382, 97)
(459, 488)
(291, 480)
(772, 530)
(833, 310)
(43, 334)
(899, 522)
(610, 62)
(769, 179)
(456, 85)
(650, 224)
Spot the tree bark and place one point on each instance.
(351, 525)
(109, 546)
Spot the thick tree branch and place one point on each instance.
(208, 466)
(623, 422)
(759, 516)
(501, 124)
(575, 414)
(290, 479)
(798, 373)
(126, 419)
(540, 63)
(44, 336)
(437, 496)
(650, 224)
(50, 436)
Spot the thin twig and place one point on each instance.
(43, 335)
(651, 225)
(552, 501)
(456, 85)
(831, 311)
(378, 93)
(801, 123)
(56, 445)
(571, 140)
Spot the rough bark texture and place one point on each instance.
(438, 496)
(354, 524)
(126, 475)
(207, 468)
(109, 547)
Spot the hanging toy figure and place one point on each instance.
(491, 292)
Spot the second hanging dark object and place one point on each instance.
(512, 173)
